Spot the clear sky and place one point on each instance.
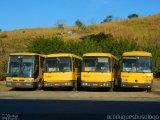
(19, 14)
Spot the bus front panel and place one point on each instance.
(59, 72)
(58, 79)
(136, 72)
(96, 72)
(94, 79)
(22, 71)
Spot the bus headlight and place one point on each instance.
(28, 81)
(148, 81)
(67, 84)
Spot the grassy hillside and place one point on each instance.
(144, 30)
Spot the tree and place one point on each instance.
(60, 24)
(78, 23)
(81, 26)
(46, 45)
(71, 46)
(88, 46)
(132, 16)
(108, 19)
(100, 37)
(117, 47)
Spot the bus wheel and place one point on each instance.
(111, 88)
(149, 90)
(40, 85)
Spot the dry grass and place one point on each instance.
(3, 86)
(143, 30)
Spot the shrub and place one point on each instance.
(46, 45)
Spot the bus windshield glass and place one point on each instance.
(58, 64)
(20, 66)
(136, 64)
(96, 64)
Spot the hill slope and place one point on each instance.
(144, 30)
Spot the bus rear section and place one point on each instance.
(136, 70)
(98, 70)
(62, 70)
(25, 70)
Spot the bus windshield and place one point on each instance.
(20, 66)
(58, 64)
(96, 64)
(136, 64)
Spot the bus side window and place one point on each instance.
(113, 62)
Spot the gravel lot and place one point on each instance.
(129, 95)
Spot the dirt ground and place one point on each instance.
(133, 95)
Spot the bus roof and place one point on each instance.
(27, 54)
(63, 55)
(100, 54)
(137, 53)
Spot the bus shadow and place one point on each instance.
(22, 89)
(132, 90)
(58, 89)
(95, 89)
(82, 89)
(113, 90)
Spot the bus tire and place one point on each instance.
(149, 90)
(111, 88)
(78, 85)
(40, 85)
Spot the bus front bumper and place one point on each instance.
(21, 84)
(136, 85)
(96, 84)
(59, 84)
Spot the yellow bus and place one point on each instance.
(62, 70)
(136, 70)
(25, 70)
(99, 70)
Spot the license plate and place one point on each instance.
(136, 86)
(95, 84)
(57, 84)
